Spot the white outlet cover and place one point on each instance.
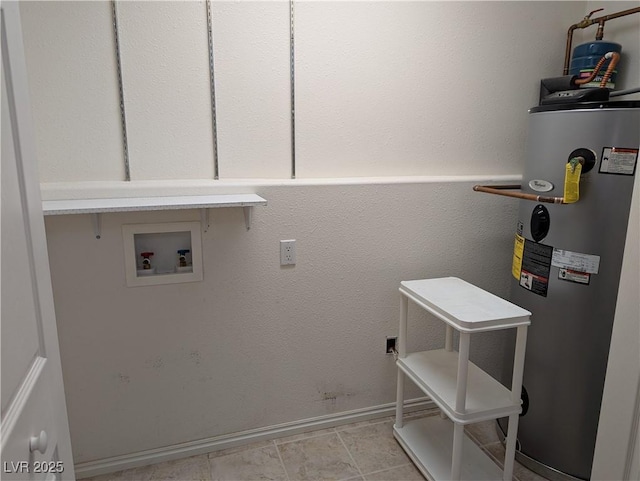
(287, 252)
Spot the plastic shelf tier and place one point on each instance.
(464, 392)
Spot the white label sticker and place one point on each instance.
(575, 261)
(574, 276)
(618, 161)
(540, 185)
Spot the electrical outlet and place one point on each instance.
(287, 252)
(392, 344)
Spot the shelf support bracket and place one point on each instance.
(248, 211)
(204, 219)
(97, 224)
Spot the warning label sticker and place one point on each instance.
(574, 276)
(576, 261)
(618, 161)
(536, 264)
(518, 249)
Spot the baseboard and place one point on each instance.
(203, 446)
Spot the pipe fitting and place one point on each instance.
(613, 57)
(587, 22)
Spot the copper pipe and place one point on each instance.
(587, 22)
(507, 191)
(600, 31)
(596, 69)
(614, 58)
(584, 23)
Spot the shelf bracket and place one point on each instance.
(204, 218)
(247, 216)
(97, 224)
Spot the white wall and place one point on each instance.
(165, 72)
(255, 344)
(74, 90)
(421, 88)
(382, 88)
(251, 43)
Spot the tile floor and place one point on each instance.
(365, 451)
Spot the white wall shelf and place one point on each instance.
(134, 204)
(464, 392)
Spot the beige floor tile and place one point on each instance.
(248, 465)
(135, 474)
(317, 458)
(496, 450)
(195, 468)
(524, 474)
(318, 455)
(483, 433)
(408, 472)
(373, 447)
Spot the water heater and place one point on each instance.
(566, 269)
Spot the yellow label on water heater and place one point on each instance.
(518, 249)
(572, 182)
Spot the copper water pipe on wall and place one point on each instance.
(588, 21)
(514, 191)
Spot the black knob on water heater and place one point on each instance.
(589, 157)
(540, 222)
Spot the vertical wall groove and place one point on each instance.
(123, 118)
(216, 174)
(293, 88)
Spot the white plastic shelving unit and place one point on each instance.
(202, 202)
(464, 392)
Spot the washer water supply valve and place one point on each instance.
(182, 257)
(146, 259)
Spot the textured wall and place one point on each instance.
(382, 88)
(422, 88)
(165, 72)
(253, 100)
(74, 90)
(256, 344)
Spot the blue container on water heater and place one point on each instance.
(585, 58)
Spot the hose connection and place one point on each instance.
(613, 57)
